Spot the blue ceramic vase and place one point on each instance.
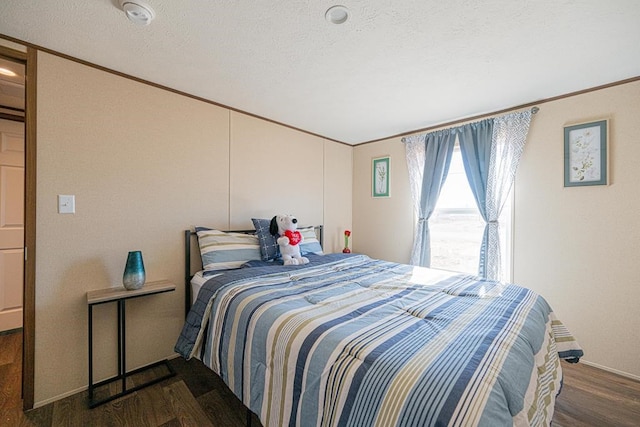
(134, 275)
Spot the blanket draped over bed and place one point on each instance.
(348, 340)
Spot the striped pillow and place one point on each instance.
(310, 244)
(223, 251)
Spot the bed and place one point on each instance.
(347, 340)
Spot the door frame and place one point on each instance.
(29, 59)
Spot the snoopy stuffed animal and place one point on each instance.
(286, 226)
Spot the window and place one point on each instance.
(457, 226)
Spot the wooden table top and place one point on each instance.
(117, 293)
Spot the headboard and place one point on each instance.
(189, 235)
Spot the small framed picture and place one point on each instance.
(585, 154)
(380, 169)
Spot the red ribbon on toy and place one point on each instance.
(294, 237)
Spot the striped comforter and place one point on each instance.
(362, 342)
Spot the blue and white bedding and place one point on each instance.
(353, 341)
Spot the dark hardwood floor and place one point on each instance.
(10, 376)
(197, 397)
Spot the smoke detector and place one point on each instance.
(138, 11)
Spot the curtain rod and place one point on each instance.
(534, 110)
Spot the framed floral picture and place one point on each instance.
(585, 154)
(380, 169)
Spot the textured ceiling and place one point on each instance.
(394, 67)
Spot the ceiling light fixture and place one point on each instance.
(337, 14)
(7, 72)
(138, 11)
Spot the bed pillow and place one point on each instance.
(220, 250)
(310, 244)
(269, 249)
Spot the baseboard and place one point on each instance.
(59, 397)
(613, 371)
(81, 389)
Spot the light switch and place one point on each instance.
(66, 204)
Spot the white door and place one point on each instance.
(11, 223)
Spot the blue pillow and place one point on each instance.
(310, 244)
(269, 249)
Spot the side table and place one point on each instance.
(121, 295)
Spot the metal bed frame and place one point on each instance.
(188, 235)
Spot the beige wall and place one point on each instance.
(145, 164)
(274, 166)
(280, 170)
(382, 227)
(575, 246)
(579, 246)
(338, 197)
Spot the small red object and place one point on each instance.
(294, 237)
(346, 249)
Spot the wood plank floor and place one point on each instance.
(197, 397)
(593, 397)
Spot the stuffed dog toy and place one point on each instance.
(286, 226)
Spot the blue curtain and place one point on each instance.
(428, 159)
(491, 150)
(475, 147)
